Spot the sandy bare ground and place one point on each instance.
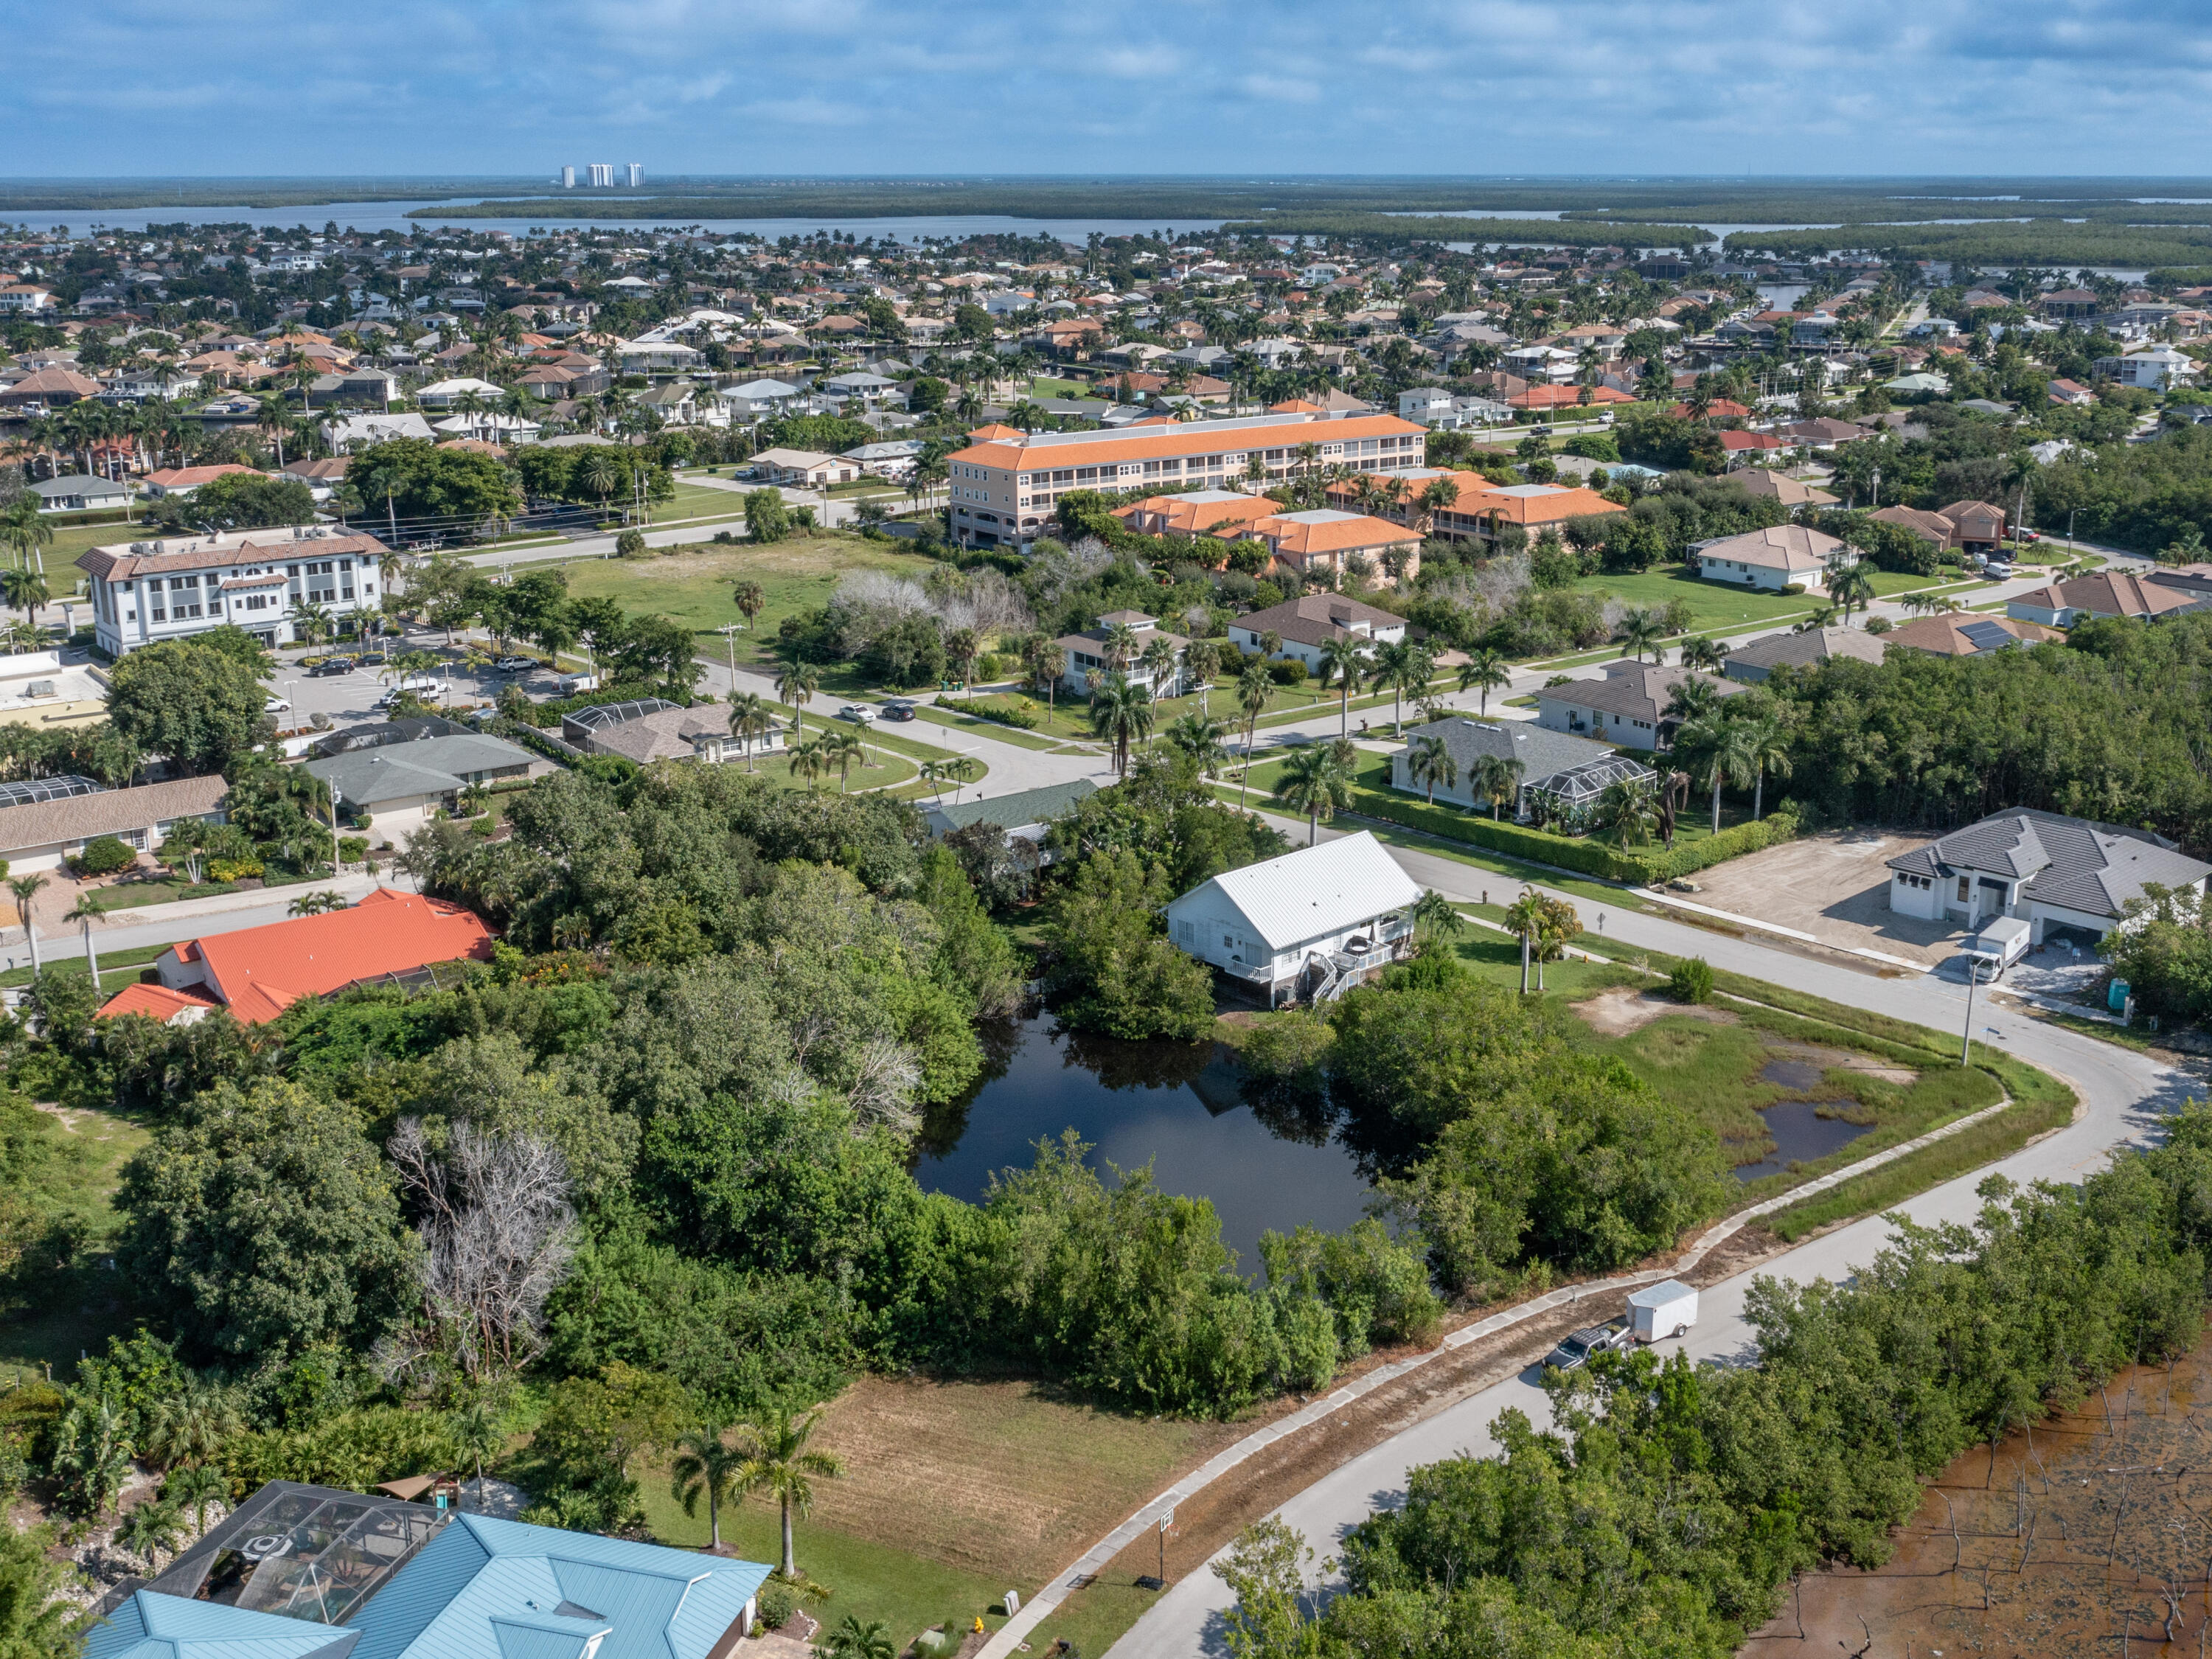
(1834, 886)
(1624, 1010)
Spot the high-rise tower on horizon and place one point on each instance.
(636, 173)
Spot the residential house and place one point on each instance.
(655, 729)
(49, 388)
(297, 1570)
(1624, 705)
(351, 432)
(1929, 526)
(176, 587)
(1976, 526)
(1814, 648)
(2070, 391)
(1792, 493)
(1025, 815)
(46, 822)
(2103, 593)
(2157, 369)
(1967, 635)
(1090, 653)
(1305, 927)
(21, 299)
(1323, 538)
(446, 394)
(183, 480)
(803, 467)
(1773, 560)
(862, 387)
(1825, 433)
(257, 973)
(1551, 763)
(398, 787)
(2054, 872)
(1201, 512)
(1312, 620)
(78, 492)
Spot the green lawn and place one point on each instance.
(112, 966)
(79, 1153)
(698, 502)
(693, 584)
(1013, 734)
(868, 1580)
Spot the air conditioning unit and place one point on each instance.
(139, 547)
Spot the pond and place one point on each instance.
(1174, 1105)
(1801, 1134)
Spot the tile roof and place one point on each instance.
(2074, 863)
(1781, 487)
(428, 766)
(116, 563)
(1634, 690)
(1140, 442)
(1809, 649)
(1968, 635)
(665, 734)
(1540, 751)
(2112, 593)
(109, 812)
(1315, 618)
(1324, 532)
(1787, 547)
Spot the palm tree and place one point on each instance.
(1692, 698)
(1403, 666)
(150, 1530)
(1429, 761)
(961, 648)
(93, 1452)
(1435, 497)
(1722, 754)
(1120, 647)
(934, 773)
(1159, 661)
(88, 910)
(1496, 779)
(600, 475)
(1202, 660)
(1629, 811)
(1485, 668)
(1344, 656)
(1436, 916)
(1703, 654)
(1525, 920)
(24, 590)
(1318, 782)
(1121, 713)
(24, 889)
(853, 1640)
(776, 1460)
(751, 599)
(195, 1488)
(191, 1425)
(1768, 744)
(840, 750)
(1641, 631)
(809, 760)
(1201, 739)
(1850, 585)
(705, 1463)
(25, 529)
(1255, 689)
(749, 720)
(794, 683)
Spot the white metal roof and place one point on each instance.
(1316, 889)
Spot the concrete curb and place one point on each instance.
(1094, 1561)
(1780, 932)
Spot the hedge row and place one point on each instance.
(1584, 855)
(974, 708)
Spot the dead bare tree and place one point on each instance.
(496, 1236)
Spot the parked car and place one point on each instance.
(1997, 569)
(330, 666)
(1574, 1351)
(276, 706)
(898, 708)
(514, 664)
(857, 711)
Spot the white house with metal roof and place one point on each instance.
(1311, 924)
(2049, 870)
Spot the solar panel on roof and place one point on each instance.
(1986, 636)
(31, 790)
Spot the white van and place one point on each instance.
(573, 684)
(2003, 941)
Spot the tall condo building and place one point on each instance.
(603, 176)
(637, 170)
(567, 178)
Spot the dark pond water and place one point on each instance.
(1174, 1105)
(1800, 1134)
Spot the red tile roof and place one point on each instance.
(155, 1002)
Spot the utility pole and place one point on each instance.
(1967, 1039)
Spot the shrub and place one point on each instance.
(1287, 671)
(232, 869)
(352, 849)
(976, 708)
(778, 1601)
(104, 855)
(630, 545)
(1692, 981)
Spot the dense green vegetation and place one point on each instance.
(1666, 1508)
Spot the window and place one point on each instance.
(1964, 887)
(1186, 932)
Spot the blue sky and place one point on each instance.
(794, 87)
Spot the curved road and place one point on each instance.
(2122, 1094)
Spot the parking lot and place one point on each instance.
(347, 699)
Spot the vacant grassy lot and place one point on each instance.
(694, 584)
(955, 1493)
(1715, 606)
(82, 1150)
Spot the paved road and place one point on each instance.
(2124, 1094)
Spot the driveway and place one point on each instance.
(1834, 886)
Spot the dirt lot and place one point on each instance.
(1834, 886)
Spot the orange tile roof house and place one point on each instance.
(183, 480)
(2102, 593)
(1326, 539)
(53, 387)
(1201, 512)
(1967, 635)
(1772, 559)
(1003, 490)
(259, 972)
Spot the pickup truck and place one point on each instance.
(1574, 1350)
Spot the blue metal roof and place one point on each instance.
(480, 1588)
(152, 1626)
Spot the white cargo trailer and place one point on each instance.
(1667, 1308)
